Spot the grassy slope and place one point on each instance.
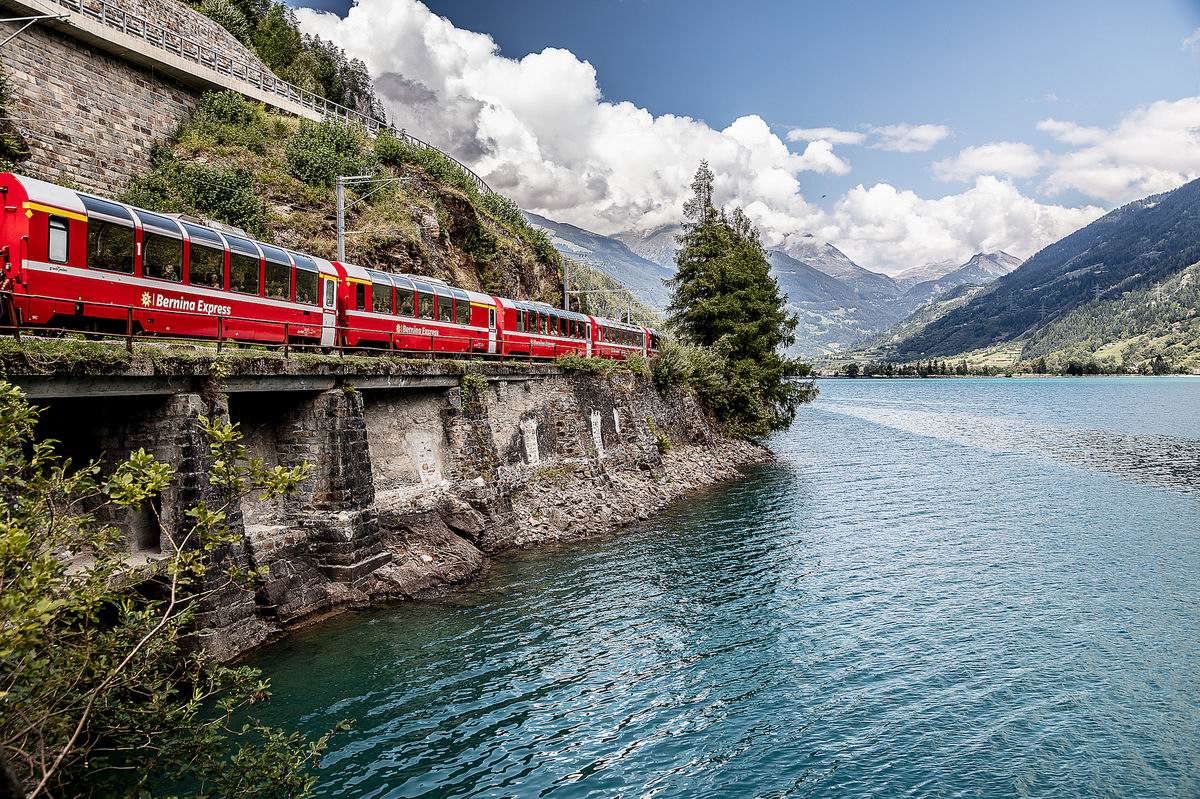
(273, 176)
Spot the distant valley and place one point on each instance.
(1115, 295)
(839, 303)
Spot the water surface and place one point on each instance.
(944, 588)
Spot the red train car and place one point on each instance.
(73, 260)
(409, 312)
(538, 330)
(77, 261)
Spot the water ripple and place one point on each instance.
(968, 588)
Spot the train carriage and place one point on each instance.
(619, 340)
(81, 262)
(422, 314)
(539, 330)
(75, 261)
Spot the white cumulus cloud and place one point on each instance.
(905, 138)
(997, 158)
(886, 225)
(1151, 149)
(1070, 132)
(539, 130)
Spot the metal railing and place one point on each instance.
(244, 67)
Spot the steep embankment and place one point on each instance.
(273, 176)
(1097, 292)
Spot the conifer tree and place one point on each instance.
(724, 299)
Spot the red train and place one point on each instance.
(72, 260)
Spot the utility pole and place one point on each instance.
(566, 267)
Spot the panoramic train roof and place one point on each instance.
(40, 191)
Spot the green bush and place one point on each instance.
(227, 118)
(318, 153)
(672, 366)
(396, 153)
(226, 194)
(228, 16)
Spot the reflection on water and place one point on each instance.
(947, 588)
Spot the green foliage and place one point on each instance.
(661, 441)
(397, 153)
(271, 31)
(672, 366)
(227, 118)
(473, 389)
(226, 194)
(578, 363)
(100, 695)
(318, 153)
(227, 14)
(726, 303)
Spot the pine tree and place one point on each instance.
(725, 299)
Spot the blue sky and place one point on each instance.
(987, 72)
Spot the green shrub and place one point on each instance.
(229, 17)
(578, 363)
(636, 364)
(318, 153)
(396, 153)
(226, 194)
(672, 366)
(227, 118)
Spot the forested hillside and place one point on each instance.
(269, 29)
(1106, 265)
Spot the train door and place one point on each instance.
(491, 330)
(328, 311)
(589, 338)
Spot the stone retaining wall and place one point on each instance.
(90, 119)
(413, 489)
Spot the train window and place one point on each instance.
(58, 239)
(360, 296)
(381, 297)
(308, 286)
(404, 301)
(162, 256)
(424, 305)
(445, 309)
(243, 273)
(279, 280)
(206, 266)
(462, 311)
(110, 246)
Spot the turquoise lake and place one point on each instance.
(976, 588)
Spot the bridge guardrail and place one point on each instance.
(251, 71)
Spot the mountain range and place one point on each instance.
(838, 302)
(1119, 290)
(642, 276)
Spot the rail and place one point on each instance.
(241, 67)
(288, 337)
